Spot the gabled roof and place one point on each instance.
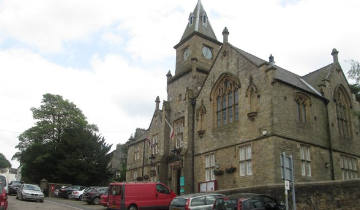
(316, 78)
(197, 25)
(280, 73)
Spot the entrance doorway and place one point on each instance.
(178, 175)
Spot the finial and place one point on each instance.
(335, 53)
(225, 35)
(157, 101)
(271, 59)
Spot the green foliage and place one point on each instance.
(355, 89)
(354, 72)
(4, 163)
(62, 146)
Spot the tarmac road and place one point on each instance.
(51, 204)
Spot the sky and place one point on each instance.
(110, 57)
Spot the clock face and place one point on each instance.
(186, 53)
(207, 52)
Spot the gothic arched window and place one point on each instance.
(303, 107)
(226, 103)
(343, 112)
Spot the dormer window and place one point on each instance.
(191, 19)
(204, 19)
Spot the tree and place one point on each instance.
(354, 72)
(62, 146)
(4, 163)
(355, 89)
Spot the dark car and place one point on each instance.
(247, 201)
(13, 187)
(66, 192)
(204, 201)
(92, 196)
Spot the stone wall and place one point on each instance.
(327, 195)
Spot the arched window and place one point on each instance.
(343, 112)
(226, 103)
(303, 107)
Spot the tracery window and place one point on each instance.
(179, 130)
(226, 103)
(154, 145)
(303, 107)
(342, 112)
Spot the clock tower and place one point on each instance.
(198, 46)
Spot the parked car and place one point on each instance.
(203, 201)
(104, 200)
(139, 195)
(92, 196)
(30, 192)
(247, 201)
(3, 194)
(76, 193)
(13, 187)
(66, 192)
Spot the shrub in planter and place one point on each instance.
(146, 177)
(218, 172)
(230, 170)
(140, 178)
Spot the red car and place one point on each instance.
(247, 201)
(104, 200)
(3, 195)
(139, 195)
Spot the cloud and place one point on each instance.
(109, 93)
(110, 58)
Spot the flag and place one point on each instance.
(172, 132)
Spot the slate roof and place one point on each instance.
(197, 24)
(316, 78)
(281, 74)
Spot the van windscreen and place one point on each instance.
(178, 202)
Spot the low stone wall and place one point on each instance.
(327, 195)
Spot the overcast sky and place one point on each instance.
(110, 57)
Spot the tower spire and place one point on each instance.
(198, 22)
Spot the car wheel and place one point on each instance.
(42, 201)
(80, 198)
(96, 201)
(132, 207)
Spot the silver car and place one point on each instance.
(198, 201)
(30, 192)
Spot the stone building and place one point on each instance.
(232, 114)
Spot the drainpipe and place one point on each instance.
(193, 103)
(330, 144)
(143, 162)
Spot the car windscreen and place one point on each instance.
(31, 187)
(178, 202)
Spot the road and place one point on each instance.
(51, 204)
